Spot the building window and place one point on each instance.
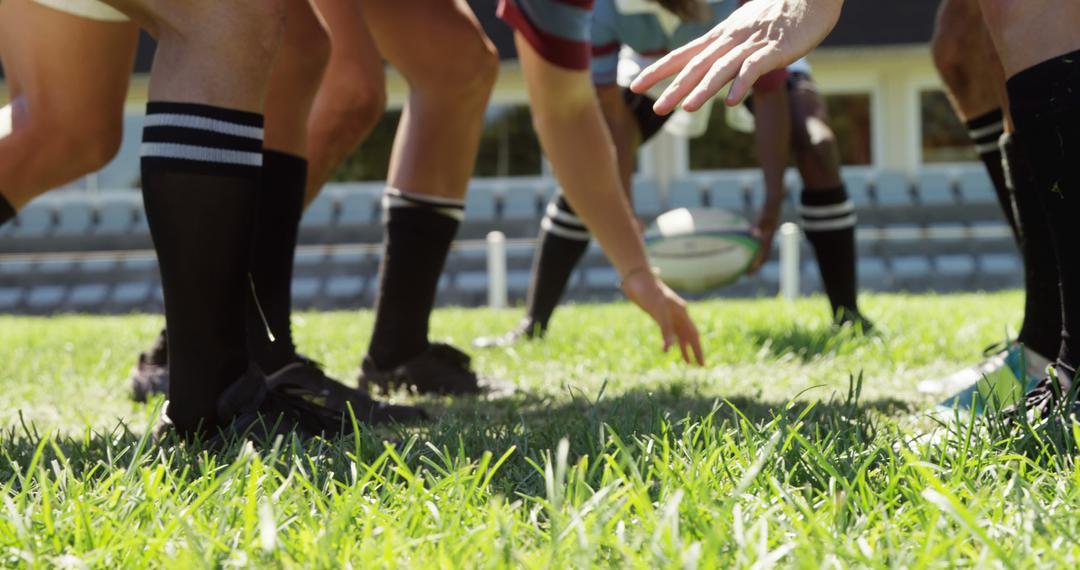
(508, 147)
(723, 147)
(944, 138)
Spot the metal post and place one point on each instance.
(496, 266)
(789, 261)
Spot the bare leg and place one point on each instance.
(352, 96)
(68, 96)
(435, 150)
(294, 79)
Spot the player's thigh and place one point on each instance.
(70, 70)
(432, 42)
(1028, 32)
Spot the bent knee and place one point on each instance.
(352, 108)
(468, 76)
(84, 148)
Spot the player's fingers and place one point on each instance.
(719, 74)
(753, 67)
(667, 327)
(691, 338)
(669, 65)
(692, 75)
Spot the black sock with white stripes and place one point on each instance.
(7, 213)
(1041, 330)
(562, 243)
(200, 177)
(419, 231)
(828, 218)
(277, 224)
(985, 131)
(1045, 103)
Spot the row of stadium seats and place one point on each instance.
(351, 212)
(91, 252)
(347, 278)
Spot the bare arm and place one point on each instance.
(576, 140)
(758, 38)
(773, 138)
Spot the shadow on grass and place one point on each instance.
(807, 343)
(467, 430)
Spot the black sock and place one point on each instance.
(1041, 330)
(562, 243)
(985, 131)
(7, 212)
(1045, 103)
(277, 224)
(828, 218)
(200, 180)
(419, 231)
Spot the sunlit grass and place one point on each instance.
(797, 447)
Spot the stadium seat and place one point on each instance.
(892, 188)
(480, 204)
(116, 214)
(132, 294)
(976, 186)
(471, 282)
(321, 212)
(88, 295)
(686, 194)
(518, 281)
(306, 289)
(521, 204)
(727, 194)
(97, 266)
(16, 268)
(56, 266)
(35, 220)
(646, 198)
(344, 287)
(935, 188)
(10, 298)
(601, 278)
(75, 217)
(45, 298)
(857, 182)
(1001, 264)
(954, 264)
(910, 266)
(359, 207)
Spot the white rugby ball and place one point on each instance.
(700, 249)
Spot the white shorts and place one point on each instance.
(91, 9)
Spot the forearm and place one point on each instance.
(583, 157)
(773, 139)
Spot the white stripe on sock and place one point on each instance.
(202, 124)
(424, 199)
(396, 201)
(548, 226)
(845, 207)
(980, 132)
(829, 225)
(987, 148)
(201, 153)
(563, 216)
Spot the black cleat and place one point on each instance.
(525, 331)
(853, 319)
(441, 369)
(251, 409)
(307, 381)
(150, 376)
(1051, 397)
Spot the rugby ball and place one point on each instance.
(696, 250)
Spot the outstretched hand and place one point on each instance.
(759, 37)
(669, 311)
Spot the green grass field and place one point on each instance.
(613, 454)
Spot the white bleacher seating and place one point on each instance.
(131, 294)
(75, 217)
(45, 297)
(523, 203)
(344, 287)
(935, 187)
(360, 207)
(322, 211)
(35, 220)
(892, 188)
(857, 181)
(686, 194)
(480, 204)
(646, 198)
(116, 213)
(10, 297)
(975, 185)
(88, 295)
